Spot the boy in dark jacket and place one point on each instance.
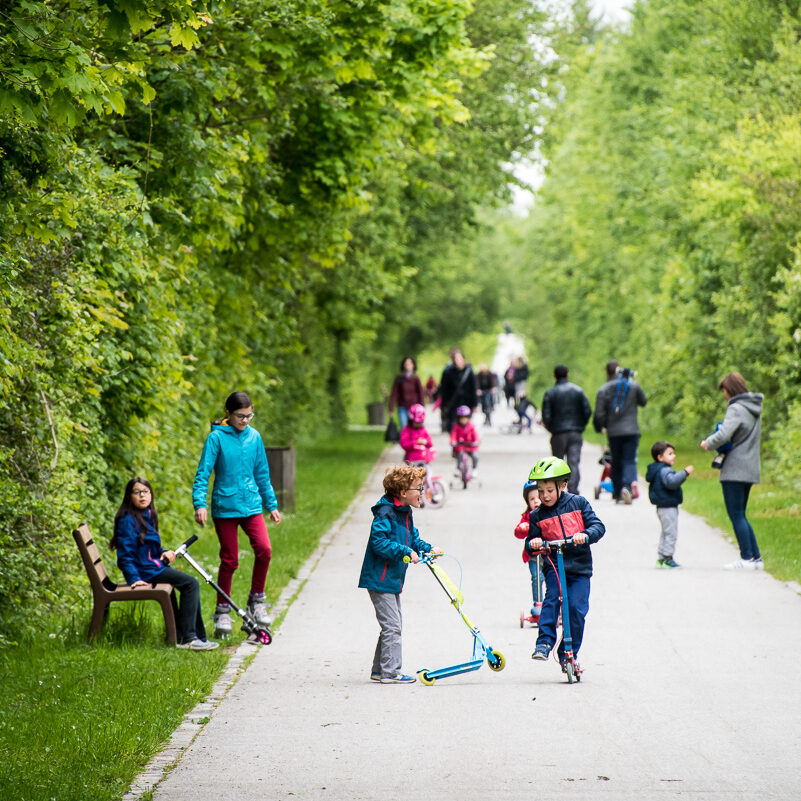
(664, 492)
(559, 516)
(392, 537)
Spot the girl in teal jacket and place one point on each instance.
(235, 453)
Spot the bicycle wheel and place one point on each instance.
(435, 494)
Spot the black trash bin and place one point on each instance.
(376, 414)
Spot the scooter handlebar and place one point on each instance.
(183, 547)
(427, 556)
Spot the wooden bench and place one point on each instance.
(104, 590)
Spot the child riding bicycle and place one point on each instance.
(414, 439)
(464, 437)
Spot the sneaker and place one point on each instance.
(741, 564)
(398, 678)
(625, 496)
(758, 563)
(375, 677)
(222, 622)
(258, 608)
(541, 652)
(199, 645)
(667, 563)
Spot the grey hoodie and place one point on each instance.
(743, 426)
(623, 421)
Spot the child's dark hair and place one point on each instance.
(658, 448)
(234, 402)
(127, 507)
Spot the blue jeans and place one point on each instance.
(578, 596)
(735, 496)
(624, 462)
(403, 417)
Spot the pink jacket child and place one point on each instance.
(416, 442)
(465, 437)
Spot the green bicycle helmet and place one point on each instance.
(550, 468)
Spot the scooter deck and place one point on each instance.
(454, 670)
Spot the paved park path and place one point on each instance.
(691, 686)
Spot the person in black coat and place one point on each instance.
(457, 387)
(565, 414)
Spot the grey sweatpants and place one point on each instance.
(669, 518)
(387, 658)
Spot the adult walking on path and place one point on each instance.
(407, 389)
(742, 427)
(458, 387)
(616, 406)
(565, 414)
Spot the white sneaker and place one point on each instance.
(758, 563)
(741, 564)
(625, 496)
(222, 623)
(259, 611)
(199, 645)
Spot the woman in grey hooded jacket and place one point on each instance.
(742, 426)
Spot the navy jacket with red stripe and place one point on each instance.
(392, 536)
(570, 515)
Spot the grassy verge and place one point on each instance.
(79, 722)
(773, 510)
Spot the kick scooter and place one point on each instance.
(260, 634)
(569, 664)
(481, 648)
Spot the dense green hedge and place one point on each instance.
(202, 197)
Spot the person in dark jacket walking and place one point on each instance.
(457, 387)
(561, 515)
(407, 389)
(392, 537)
(616, 407)
(742, 426)
(565, 414)
(664, 492)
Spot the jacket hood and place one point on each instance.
(224, 428)
(652, 470)
(385, 500)
(752, 401)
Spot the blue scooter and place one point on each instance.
(481, 648)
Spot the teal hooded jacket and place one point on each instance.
(241, 476)
(392, 536)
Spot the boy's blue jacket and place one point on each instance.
(139, 561)
(664, 484)
(392, 536)
(241, 476)
(570, 515)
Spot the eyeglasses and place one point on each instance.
(245, 418)
(419, 489)
(141, 492)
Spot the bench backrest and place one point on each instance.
(92, 560)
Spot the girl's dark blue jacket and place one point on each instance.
(139, 561)
(392, 536)
(570, 515)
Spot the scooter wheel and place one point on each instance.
(425, 678)
(597, 492)
(496, 660)
(523, 617)
(571, 675)
(264, 636)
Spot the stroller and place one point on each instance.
(605, 482)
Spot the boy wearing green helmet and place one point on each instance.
(559, 516)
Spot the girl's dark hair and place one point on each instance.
(127, 507)
(734, 384)
(235, 401)
(414, 363)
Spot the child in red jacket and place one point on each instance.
(534, 563)
(464, 437)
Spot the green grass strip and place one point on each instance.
(79, 722)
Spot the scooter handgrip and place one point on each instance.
(190, 541)
(407, 559)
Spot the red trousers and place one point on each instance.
(227, 533)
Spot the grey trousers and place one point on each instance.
(387, 658)
(567, 446)
(669, 518)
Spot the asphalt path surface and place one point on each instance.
(690, 687)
